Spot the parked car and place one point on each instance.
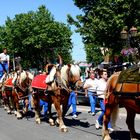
(81, 99)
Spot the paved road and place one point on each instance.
(81, 129)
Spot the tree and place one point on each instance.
(36, 37)
(102, 21)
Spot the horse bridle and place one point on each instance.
(27, 84)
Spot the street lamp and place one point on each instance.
(129, 35)
(124, 33)
(131, 41)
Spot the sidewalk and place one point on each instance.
(122, 111)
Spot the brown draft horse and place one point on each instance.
(57, 93)
(18, 92)
(6, 91)
(123, 89)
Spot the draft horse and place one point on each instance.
(57, 92)
(6, 90)
(123, 88)
(18, 92)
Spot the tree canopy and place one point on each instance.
(36, 37)
(101, 23)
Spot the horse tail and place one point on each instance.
(114, 115)
(115, 105)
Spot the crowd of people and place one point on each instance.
(95, 86)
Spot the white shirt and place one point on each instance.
(101, 88)
(93, 84)
(4, 57)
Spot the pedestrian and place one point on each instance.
(102, 82)
(42, 104)
(72, 102)
(90, 87)
(43, 107)
(4, 57)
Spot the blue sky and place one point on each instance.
(58, 8)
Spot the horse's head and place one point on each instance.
(70, 75)
(25, 79)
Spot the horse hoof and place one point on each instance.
(134, 139)
(38, 121)
(51, 122)
(57, 124)
(5, 108)
(19, 118)
(9, 112)
(15, 113)
(64, 130)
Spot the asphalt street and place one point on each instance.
(82, 128)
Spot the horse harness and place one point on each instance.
(19, 87)
(127, 79)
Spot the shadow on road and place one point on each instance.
(121, 135)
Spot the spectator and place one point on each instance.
(72, 101)
(4, 57)
(43, 106)
(100, 91)
(90, 87)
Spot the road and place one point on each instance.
(83, 128)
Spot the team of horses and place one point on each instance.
(57, 92)
(119, 92)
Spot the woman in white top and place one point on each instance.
(90, 87)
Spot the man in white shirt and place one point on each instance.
(102, 83)
(90, 87)
(4, 58)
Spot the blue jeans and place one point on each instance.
(5, 64)
(29, 105)
(100, 118)
(41, 103)
(72, 101)
(1, 71)
(92, 100)
(44, 105)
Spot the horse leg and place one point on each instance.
(36, 107)
(65, 106)
(51, 121)
(8, 105)
(17, 108)
(59, 120)
(6, 102)
(111, 103)
(25, 109)
(130, 123)
(4, 97)
(106, 119)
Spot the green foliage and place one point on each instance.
(36, 37)
(102, 21)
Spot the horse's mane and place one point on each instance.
(73, 69)
(24, 74)
(108, 87)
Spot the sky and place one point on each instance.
(58, 8)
